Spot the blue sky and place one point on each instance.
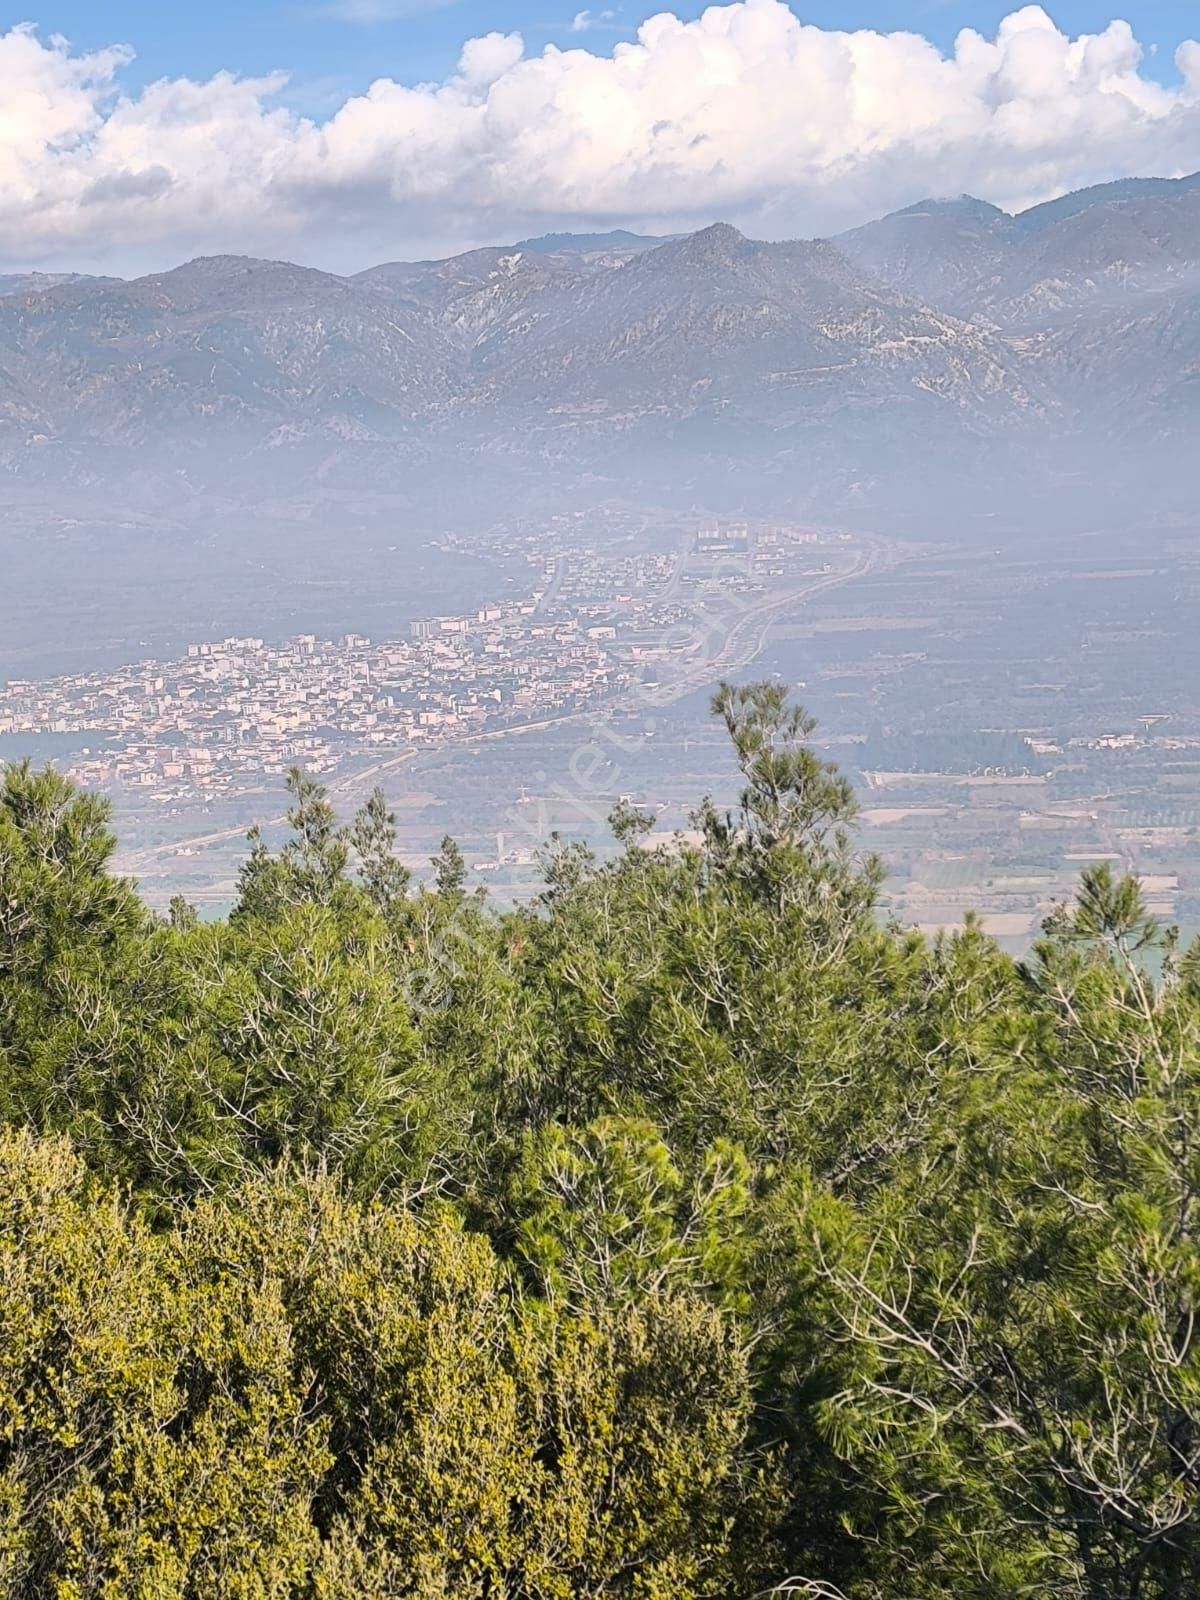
(340, 132)
(328, 53)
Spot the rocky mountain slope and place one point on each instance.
(1090, 250)
(948, 347)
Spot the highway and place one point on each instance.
(747, 635)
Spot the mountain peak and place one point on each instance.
(232, 266)
(250, 280)
(719, 243)
(1068, 205)
(618, 239)
(719, 233)
(958, 208)
(18, 283)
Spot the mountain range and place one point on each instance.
(947, 357)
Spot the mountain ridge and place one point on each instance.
(949, 346)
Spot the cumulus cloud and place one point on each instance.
(745, 113)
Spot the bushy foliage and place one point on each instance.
(288, 1393)
(688, 1233)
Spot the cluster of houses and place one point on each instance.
(591, 626)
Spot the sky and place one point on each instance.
(343, 132)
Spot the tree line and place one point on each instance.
(969, 752)
(690, 1232)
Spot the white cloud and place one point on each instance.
(484, 61)
(745, 113)
(586, 21)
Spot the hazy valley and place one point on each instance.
(258, 450)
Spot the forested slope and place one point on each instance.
(689, 1233)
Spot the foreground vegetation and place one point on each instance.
(688, 1234)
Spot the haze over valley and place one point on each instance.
(605, 453)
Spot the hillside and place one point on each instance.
(944, 350)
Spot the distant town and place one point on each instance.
(590, 628)
(1006, 719)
